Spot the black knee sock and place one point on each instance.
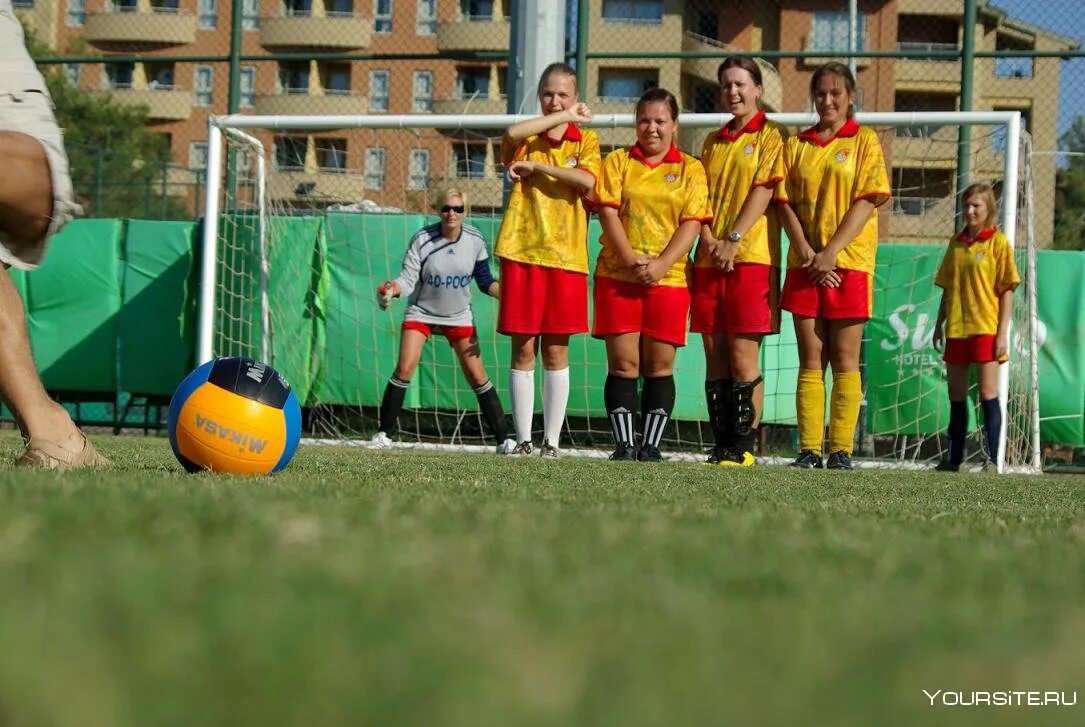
(391, 404)
(489, 403)
(657, 402)
(620, 399)
(958, 428)
(716, 395)
(992, 425)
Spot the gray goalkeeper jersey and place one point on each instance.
(437, 274)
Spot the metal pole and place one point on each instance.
(964, 134)
(1009, 228)
(205, 327)
(853, 37)
(582, 18)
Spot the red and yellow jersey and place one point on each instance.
(973, 274)
(734, 163)
(821, 181)
(652, 200)
(545, 221)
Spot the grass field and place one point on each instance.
(385, 588)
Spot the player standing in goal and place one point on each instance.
(441, 261)
(834, 181)
(652, 200)
(543, 247)
(36, 201)
(736, 274)
(977, 276)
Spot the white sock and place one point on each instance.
(555, 401)
(522, 398)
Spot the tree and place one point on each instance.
(1070, 190)
(118, 167)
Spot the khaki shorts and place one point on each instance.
(31, 113)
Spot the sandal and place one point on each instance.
(44, 454)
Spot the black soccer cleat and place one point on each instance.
(623, 454)
(839, 461)
(807, 460)
(648, 453)
(947, 466)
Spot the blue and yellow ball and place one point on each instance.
(234, 415)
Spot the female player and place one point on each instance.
(543, 247)
(652, 200)
(440, 263)
(736, 274)
(834, 181)
(977, 276)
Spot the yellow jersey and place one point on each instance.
(821, 181)
(652, 200)
(973, 274)
(546, 221)
(736, 162)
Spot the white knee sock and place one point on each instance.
(555, 401)
(522, 398)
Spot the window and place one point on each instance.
(197, 155)
(22, 4)
(477, 10)
(245, 164)
(422, 96)
(917, 190)
(119, 75)
(77, 13)
(626, 84)
(472, 82)
(248, 86)
(207, 14)
(374, 168)
(382, 16)
(290, 152)
(646, 12)
(122, 6)
(159, 76)
(378, 91)
(418, 169)
(250, 14)
(331, 155)
(165, 6)
(917, 101)
(336, 78)
(339, 8)
(297, 8)
(73, 73)
(427, 17)
(203, 82)
(830, 32)
(469, 160)
(294, 77)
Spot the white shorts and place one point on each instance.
(31, 113)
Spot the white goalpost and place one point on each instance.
(305, 215)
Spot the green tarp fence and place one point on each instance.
(113, 310)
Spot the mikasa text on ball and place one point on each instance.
(234, 415)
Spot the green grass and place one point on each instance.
(373, 588)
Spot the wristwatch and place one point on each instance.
(734, 237)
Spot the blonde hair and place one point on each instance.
(451, 192)
(987, 193)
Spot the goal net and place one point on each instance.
(308, 215)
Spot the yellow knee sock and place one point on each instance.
(810, 409)
(847, 397)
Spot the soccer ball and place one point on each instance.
(234, 415)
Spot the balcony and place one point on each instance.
(477, 34)
(921, 219)
(929, 147)
(705, 69)
(159, 27)
(163, 104)
(304, 104)
(481, 191)
(920, 74)
(474, 106)
(335, 32)
(316, 188)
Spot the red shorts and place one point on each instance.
(974, 349)
(659, 312)
(537, 300)
(853, 299)
(452, 333)
(745, 300)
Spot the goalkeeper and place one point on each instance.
(441, 261)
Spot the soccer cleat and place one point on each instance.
(381, 440)
(989, 467)
(623, 454)
(507, 446)
(648, 453)
(947, 466)
(736, 458)
(807, 460)
(714, 456)
(522, 449)
(839, 461)
(548, 450)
